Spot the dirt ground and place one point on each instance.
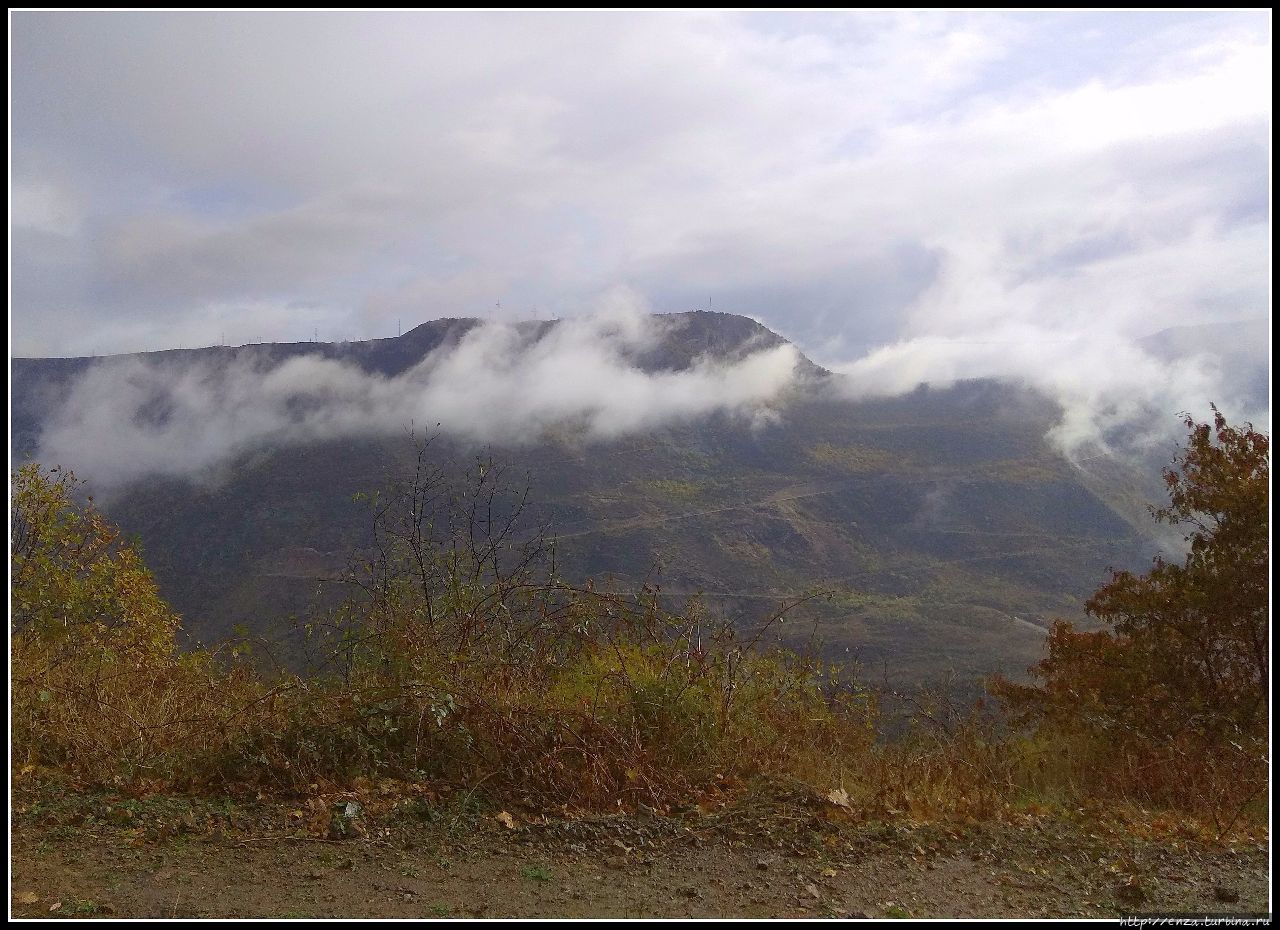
(105, 856)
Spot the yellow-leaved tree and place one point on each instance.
(77, 586)
(91, 638)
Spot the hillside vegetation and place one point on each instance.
(461, 656)
(949, 527)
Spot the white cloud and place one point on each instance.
(126, 418)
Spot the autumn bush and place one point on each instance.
(99, 688)
(461, 657)
(1168, 703)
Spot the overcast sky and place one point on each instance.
(872, 185)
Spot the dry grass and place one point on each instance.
(460, 670)
(631, 714)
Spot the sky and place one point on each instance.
(907, 196)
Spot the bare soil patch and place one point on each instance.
(107, 856)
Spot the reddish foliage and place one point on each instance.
(1183, 667)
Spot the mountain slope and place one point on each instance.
(946, 528)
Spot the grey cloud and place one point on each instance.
(173, 258)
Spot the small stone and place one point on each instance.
(1226, 895)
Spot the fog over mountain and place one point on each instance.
(1117, 396)
(126, 417)
(905, 197)
(616, 373)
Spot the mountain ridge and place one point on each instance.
(716, 332)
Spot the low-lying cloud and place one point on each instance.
(1093, 334)
(1114, 398)
(134, 416)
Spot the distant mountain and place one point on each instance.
(947, 528)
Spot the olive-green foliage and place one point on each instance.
(673, 489)
(858, 459)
